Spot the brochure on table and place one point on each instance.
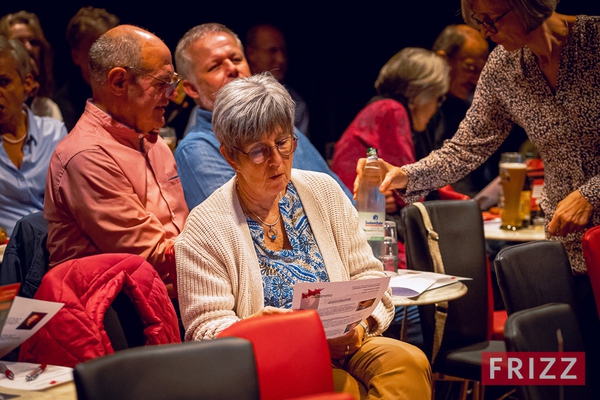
(21, 317)
(341, 305)
(411, 283)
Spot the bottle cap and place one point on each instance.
(371, 152)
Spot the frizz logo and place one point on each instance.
(533, 368)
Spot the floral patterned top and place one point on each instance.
(281, 269)
(564, 125)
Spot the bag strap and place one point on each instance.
(441, 308)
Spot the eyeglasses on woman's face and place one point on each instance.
(490, 25)
(262, 152)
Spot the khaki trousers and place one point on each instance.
(384, 368)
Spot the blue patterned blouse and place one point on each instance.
(281, 269)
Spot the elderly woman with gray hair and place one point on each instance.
(245, 247)
(410, 87)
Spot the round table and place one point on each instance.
(492, 231)
(445, 293)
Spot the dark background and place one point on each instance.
(335, 49)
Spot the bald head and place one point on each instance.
(122, 46)
(130, 69)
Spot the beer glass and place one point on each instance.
(512, 174)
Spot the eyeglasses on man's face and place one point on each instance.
(490, 25)
(169, 87)
(261, 153)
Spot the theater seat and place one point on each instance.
(292, 356)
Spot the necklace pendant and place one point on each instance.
(272, 233)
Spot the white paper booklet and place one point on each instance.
(341, 305)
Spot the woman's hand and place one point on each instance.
(572, 214)
(391, 207)
(394, 177)
(345, 346)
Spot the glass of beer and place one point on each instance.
(512, 174)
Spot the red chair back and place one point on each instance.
(591, 253)
(291, 352)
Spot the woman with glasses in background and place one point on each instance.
(543, 76)
(245, 247)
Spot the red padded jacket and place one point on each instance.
(87, 286)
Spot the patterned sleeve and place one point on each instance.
(486, 125)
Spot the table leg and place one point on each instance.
(403, 325)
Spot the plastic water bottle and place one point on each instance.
(370, 203)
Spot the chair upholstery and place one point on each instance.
(292, 355)
(26, 258)
(535, 329)
(591, 253)
(534, 273)
(219, 369)
(462, 246)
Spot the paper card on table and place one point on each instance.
(341, 305)
(26, 317)
(53, 375)
(410, 283)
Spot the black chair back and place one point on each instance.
(534, 273)
(219, 369)
(123, 324)
(535, 330)
(26, 258)
(462, 245)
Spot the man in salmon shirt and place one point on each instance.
(113, 185)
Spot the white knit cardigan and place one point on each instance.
(218, 274)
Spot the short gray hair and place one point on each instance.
(530, 13)
(415, 75)
(248, 108)
(111, 51)
(16, 50)
(183, 56)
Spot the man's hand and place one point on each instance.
(572, 214)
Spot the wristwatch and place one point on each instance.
(365, 325)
